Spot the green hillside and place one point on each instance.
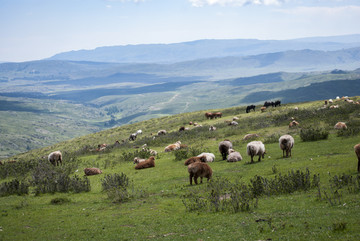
(312, 195)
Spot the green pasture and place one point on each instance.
(154, 208)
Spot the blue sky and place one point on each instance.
(37, 29)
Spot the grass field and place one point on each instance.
(159, 203)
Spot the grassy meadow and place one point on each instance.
(313, 195)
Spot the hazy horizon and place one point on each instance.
(38, 29)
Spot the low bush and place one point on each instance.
(14, 187)
(313, 134)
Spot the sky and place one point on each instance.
(38, 29)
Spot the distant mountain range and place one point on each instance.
(203, 49)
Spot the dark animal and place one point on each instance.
(195, 159)
(224, 147)
(277, 103)
(357, 151)
(249, 108)
(199, 169)
(132, 137)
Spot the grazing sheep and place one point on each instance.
(334, 107)
(182, 128)
(235, 118)
(296, 108)
(349, 101)
(138, 160)
(255, 148)
(331, 101)
(293, 124)
(212, 128)
(146, 164)
(132, 137)
(277, 103)
(340, 126)
(224, 147)
(250, 136)
(286, 143)
(249, 108)
(209, 115)
(161, 132)
(326, 102)
(173, 147)
(151, 151)
(217, 115)
(234, 156)
(199, 169)
(357, 151)
(210, 157)
(138, 132)
(233, 123)
(337, 98)
(195, 159)
(190, 123)
(55, 158)
(101, 147)
(263, 108)
(92, 171)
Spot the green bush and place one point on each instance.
(313, 134)
(116, 181)
(14, 187)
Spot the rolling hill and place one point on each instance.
(309, 196)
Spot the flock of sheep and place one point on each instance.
(198, 165)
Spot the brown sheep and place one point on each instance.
(55, 158)
(250, 136)
(357, 151)
(263, 108)
(199, 169)
(92, 171)
(146, 164)
(340, 126)
(173, 147)
(293, 124)
(195, 159)
(138, 160)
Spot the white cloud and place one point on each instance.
(202, 3)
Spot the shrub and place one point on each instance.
(274, 138)
(115, 181)
(186, 153)
(49, 179)
(313, 134)
(14, 187)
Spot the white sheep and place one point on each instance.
(55, 158)
(210, 157)
(256, 148)
(234, 156)
(173, 147)
(233, 123)
(212, 128)
(138, 160)
(138, 132)
(161, 132)
(286, 143)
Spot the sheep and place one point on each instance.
(138, 160)
(132, 137)
(293, 124)
(340, 126)
(233, 123)
(92, 171)
(349, 101)
(138, 132)
(224, 147)
(151, 151)
(193, 159)
(256, 148)
(146, 164)
(334, 107)
(296, 108)
(357, 151)
(209, 115)
(250, 136)
(277, 103)
(161, 132)
(217, 115)
(263, 108)
(235, 118)
(199, 169)
(210, 157)
(55, 158)
(212, 128)
(182, 128)
(234, 156)
(331, 101)
(173, 147)
(101, 147)
(286, 143)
